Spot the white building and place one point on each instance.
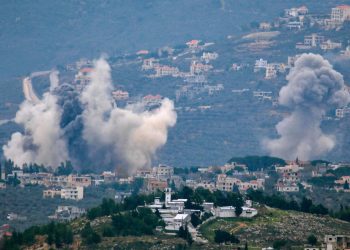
(270, 72)
(198, 67)
(150, 63)
(337, 242)
(314, 40)
(207, 56)
(329, 45)
(67, 213)
(260, 64)
(166, 71)
(178, 221)
(340, 14)
(230, 212)
(286, 188)
(73, 193)
(120, 95)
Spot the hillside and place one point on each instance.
(274, 224)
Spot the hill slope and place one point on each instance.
(273, 224)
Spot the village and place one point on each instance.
(232, 177)
(197, 80)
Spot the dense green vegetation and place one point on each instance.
(109, 206)
(185, 234)
(323, 181)
(224, 237)
(340, 171)
(255, 163)
(317, 162)
(306, 205)
(278, 201)
(141, 221)
(58, 234)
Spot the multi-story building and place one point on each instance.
(84, 76)
(108, 176)
(163, 171)
(226, 183)
(67, 213)
(340, 14)
(336, 242)
(51, 193)
(166, 71)
(253, 184)
(208, 56)
(193, 44)
(150, 63)
(120, 95)
(144, 172)
(82, 181)
(55, 181)
(342, 112)
(72, 193)
(260, 64)
(289, 178)
(152, 100)
(329, 45)
(313, 40)
(270, 72)
(155, 185)
(283, 187)
(198, 67)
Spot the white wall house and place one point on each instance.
(73, 193)
(229, 212)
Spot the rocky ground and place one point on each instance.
(272, 224)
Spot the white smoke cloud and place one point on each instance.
(2, 122)
(54, 80)
(131, 138)
(313, 87)
(42, 140)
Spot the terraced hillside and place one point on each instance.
(273, 224)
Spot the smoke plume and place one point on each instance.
(54, 81)
(122, 136)
(313, 88)
(87, 127)
(42, 140)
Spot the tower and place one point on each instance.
(167, 196)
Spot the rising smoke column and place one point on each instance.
(313, 87)
(42, 140)
(54, 80)
(122, 136)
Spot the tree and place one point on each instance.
(346, 185)
(223, 237)
(89, 235)
(306, 205)
(238, 210)
(312, 240)
(278, 244)
(173, 186)
(107, 231)
(65, 168)
(185, 234)
(195, 220)
(318, 209)
(157, 213)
